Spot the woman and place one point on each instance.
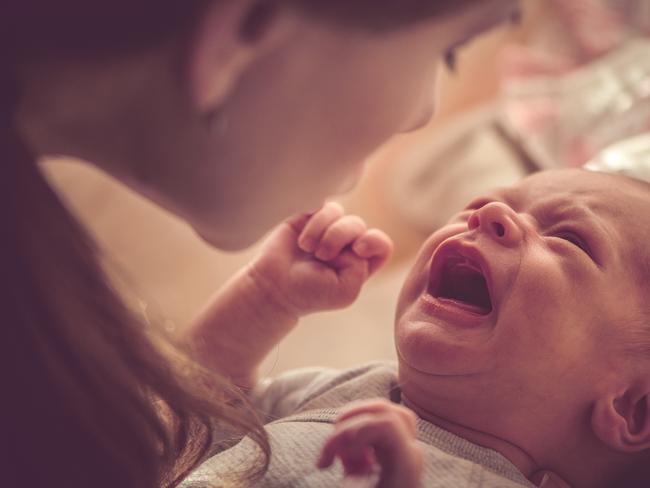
(232, 114)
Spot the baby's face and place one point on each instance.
(527, 296)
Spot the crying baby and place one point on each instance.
(522, 337)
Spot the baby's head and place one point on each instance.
(527, 318)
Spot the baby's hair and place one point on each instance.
(643, 263)
(637, 335)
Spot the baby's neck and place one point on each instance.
(516, 455)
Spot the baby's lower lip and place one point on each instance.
(468, 307)
(452, 302)
(453, 311)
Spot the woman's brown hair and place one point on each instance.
(93, 397)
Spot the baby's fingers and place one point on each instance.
(357, 459)
(353, 450)
(375, 246)
(385, 436)
(317, 225)
(379, 407)
(340, 234)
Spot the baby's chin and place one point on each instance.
(435, 348)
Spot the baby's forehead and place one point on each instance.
(603, 193)
(620, 204)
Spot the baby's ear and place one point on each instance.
(622, 421)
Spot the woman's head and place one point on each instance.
(245, 111)
(230, 113)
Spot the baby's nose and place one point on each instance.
(500, 222)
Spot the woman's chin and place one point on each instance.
(232, 242)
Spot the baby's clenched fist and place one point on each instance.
(320, 261)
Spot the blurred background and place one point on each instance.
(567, 81)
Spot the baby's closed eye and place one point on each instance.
(574, 238)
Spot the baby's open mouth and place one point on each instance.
(461, 281)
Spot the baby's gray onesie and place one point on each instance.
(300, 408)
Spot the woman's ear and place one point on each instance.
(622, 421)
(228, 37)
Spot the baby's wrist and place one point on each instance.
(268, 299)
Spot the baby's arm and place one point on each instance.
(376, 433)
(309, 263)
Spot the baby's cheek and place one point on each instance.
(411, 289)
(546, 298)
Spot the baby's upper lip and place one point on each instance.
(455, 249)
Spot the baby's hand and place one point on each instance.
(376, 432)
(320, 261)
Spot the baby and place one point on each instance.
(522, 336)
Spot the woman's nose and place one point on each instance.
(500, 222)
